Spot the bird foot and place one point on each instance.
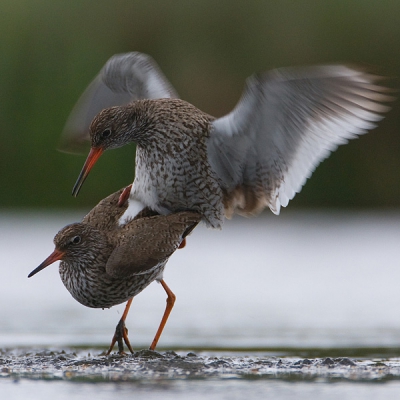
(120, 336)
(124, 195)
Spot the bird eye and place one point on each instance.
(76, 240)
(106, 133)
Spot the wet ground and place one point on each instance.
(145, 365)
(174, 375)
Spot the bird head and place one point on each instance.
(75, 243)
(112, 128)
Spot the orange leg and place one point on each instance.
(170, 303)
(124, 195)
(121, 333)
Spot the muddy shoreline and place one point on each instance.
(145, 365)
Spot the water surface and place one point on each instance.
(299, 286)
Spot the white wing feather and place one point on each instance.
(285, 124)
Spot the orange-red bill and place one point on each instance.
(53, 257)
(93, 156)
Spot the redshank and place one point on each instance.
(260, 154)
(104, 264)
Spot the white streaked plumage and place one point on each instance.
(287, 121)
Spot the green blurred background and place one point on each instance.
(51, 49)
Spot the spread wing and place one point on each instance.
(286, 122)
(149, 242)
(123, 79)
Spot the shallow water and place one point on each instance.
(299, 286)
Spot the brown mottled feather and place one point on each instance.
(154, 239)
(110, 263)
(259, 155)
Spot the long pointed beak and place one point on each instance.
(93, 156)
(53, 257)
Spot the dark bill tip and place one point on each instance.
(91, 159)
(54, 256)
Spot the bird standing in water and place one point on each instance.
(104, 264)
(260, 154)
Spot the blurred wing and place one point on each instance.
(148, 242)
(124, 78)
(285, 124)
